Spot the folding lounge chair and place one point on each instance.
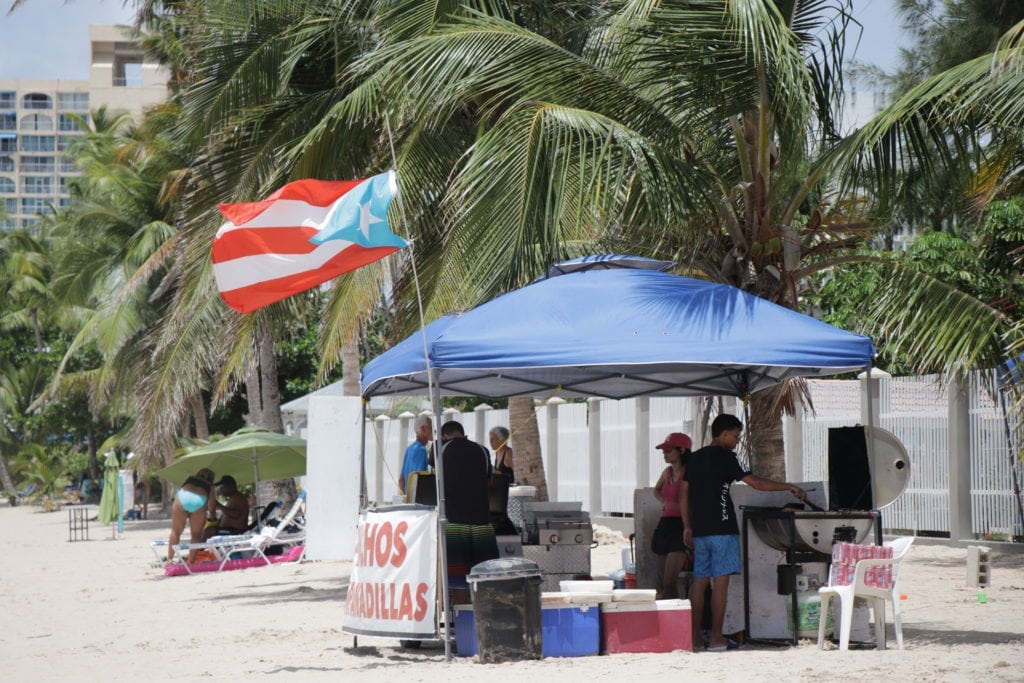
(21, 496)
(266, 517)
(227, 547)
(230, 547)
(180, 552)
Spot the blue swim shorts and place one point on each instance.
(716, 556)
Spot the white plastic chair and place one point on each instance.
(876, 597)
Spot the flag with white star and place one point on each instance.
(361, 216)
(304, 234)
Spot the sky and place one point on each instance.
(50, 38)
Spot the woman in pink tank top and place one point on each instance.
(667, 540)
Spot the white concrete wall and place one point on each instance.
(332, 476)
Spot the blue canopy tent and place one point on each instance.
(617, 327)
(617, 333)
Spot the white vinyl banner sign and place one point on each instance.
(393, 588)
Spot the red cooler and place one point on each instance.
(659, 626)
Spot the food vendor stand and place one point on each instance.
(614, 327)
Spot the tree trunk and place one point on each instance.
(528, 461)
(34, 314)
(94, 463)
(186, 426)
(764, 436)
(5, 479)
(270, 415)
(253, 395)
(350, 367)
(199, 416)
(270, 393)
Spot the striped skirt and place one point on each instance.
(467, 545)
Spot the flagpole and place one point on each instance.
(435, 402)
(362, 457)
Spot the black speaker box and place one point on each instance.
(849, 474)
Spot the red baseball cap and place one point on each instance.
(676, 440)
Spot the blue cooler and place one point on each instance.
(570, 630)
(465, 631)
(566, 630)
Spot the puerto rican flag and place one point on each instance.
(303, 235)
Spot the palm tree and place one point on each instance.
(689, 130)
(248, 78)
(19, 388)
(966, 120)
(46, 470)
(7, 401)
(699, 130)
(524, 136)
(256, 77)
(113, 267)
(24, 282)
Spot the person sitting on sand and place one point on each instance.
(234, 512)
(192, 503)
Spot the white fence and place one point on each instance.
(915, 409)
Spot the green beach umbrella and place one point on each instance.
(110, 503)
(249, 455)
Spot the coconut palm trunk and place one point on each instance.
(764, 437)
(5, 478)
(350, 367)
(270, 403)
(529, 464)
(199, 416)
(270, 392)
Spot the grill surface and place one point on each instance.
(809, 531)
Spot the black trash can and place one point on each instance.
(506, 607)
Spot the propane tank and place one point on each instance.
(808, 604)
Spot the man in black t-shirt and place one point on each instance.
(467, 474)
(710, 522)
(469, 536)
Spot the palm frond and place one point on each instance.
(935, 326)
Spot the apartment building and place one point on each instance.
(38, 122)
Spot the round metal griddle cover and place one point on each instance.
(890, 466)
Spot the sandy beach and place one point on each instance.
(100, 610)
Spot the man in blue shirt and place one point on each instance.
(415, 458)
